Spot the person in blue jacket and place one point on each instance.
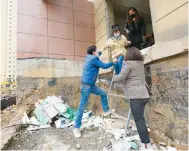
(90, 73)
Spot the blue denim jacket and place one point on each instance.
(91, 69)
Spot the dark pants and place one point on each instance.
(137, 109)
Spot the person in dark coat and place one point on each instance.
(134, 28)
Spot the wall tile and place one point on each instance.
(61, 14)
(61, 46)
(31, 43)
(84, 6)
(63, 3)
(101, 29)
(32, 25)
(78, 58)
(36, 8)
(97, 4)
(100, 14)
(21, 55)
(60, 30)
(84, 34)
(81, 48)
(102, 41)
(62, 57)
(83, 19)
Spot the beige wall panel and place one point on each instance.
(100, 14)
(101, 29)
(160, 8)
(100, 44)
(97, 4)
(174, 26)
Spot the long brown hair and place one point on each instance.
(136, 12)
(133, 53)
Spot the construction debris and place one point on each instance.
(78, 146)
(133, 145)
(121, 145)
(49, 111)
(53, 112)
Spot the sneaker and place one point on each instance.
(76, 132)
(106, 114)
(146, 147)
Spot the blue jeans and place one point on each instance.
(84, 98)
(118, 65)
(137, 109)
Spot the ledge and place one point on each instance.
(164, 50)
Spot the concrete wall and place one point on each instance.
(149, 29)
(47, 67)
(55, 28)
(120, 20)
(170, 19)
(167, 111)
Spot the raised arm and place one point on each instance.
(102, 65)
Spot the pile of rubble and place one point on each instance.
(53, 112)
(50, 112)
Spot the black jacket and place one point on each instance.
(137, 29)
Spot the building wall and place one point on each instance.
(48, 67)
(170, 19)
(167, 110)
(55, 28)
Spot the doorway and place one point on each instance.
(120, 9)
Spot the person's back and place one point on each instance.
(134, 86)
